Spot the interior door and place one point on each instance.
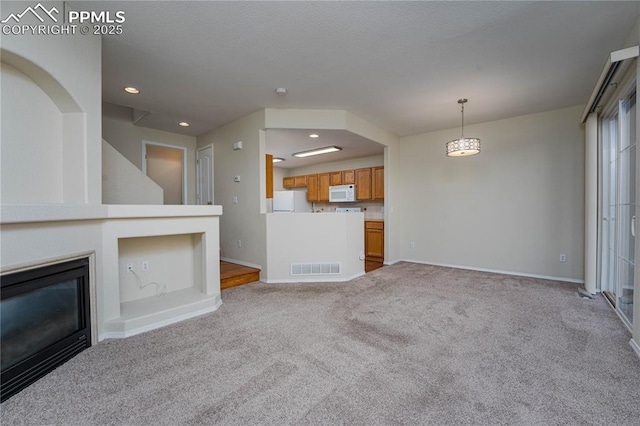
(204, 171)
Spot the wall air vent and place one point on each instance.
(315, 268)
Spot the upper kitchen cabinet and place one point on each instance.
(370, 183)
(324, 180)
(343, 177)
(312, 188)
(288, 182)
(294, 181)
(363, 184)
(377, 181)
(336, 178)
(348, 177)
(318, 187)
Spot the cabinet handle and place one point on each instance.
(633, 226)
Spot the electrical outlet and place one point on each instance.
(145, 265)
(563, 257)
(129, 268)
(239, 243)
(412, 244)
(235, 199)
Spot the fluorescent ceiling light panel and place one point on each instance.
(317, 151)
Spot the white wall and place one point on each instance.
(124, 183)
(278, 175)
(242, 221)
(515, 207)
(118, 129)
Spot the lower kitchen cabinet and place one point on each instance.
(374, 241)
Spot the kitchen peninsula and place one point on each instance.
(313, 247)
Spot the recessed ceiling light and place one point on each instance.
(131, 90)
(281, 91)
(317, 151)
(184, 124)
(314, 135)
(277, 159)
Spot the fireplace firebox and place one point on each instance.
(45, 321)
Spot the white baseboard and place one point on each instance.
(240, 262)
(635, 347)
(495, 271)
(159, 324)
(314, 279)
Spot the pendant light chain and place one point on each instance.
(462, 128)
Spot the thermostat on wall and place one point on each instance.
(237, 145)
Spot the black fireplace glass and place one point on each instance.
(35, 320)
(44, 321)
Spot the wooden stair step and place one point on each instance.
(247, 278)
(233, 275)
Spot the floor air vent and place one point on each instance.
(315, 268)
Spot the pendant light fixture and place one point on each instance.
(463, 147)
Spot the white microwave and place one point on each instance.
(342, 193)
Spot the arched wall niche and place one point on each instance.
(43, 136)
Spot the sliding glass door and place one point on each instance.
(618, 204)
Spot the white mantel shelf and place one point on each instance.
(35, 213)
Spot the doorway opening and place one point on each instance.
(166, 165)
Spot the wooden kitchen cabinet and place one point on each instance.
(370, 183)
(336, 178)
(377, 183)
(324, 179)
(363, 184)
(312, 187)
(348, 177)
(269, 177)
(294, 181)
(374, 241)
(288, 182)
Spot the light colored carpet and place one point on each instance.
(405, 344)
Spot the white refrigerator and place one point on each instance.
(291, 201)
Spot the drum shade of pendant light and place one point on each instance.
(463, 147)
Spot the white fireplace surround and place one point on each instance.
(35, 235)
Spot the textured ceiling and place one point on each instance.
(400, 65)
